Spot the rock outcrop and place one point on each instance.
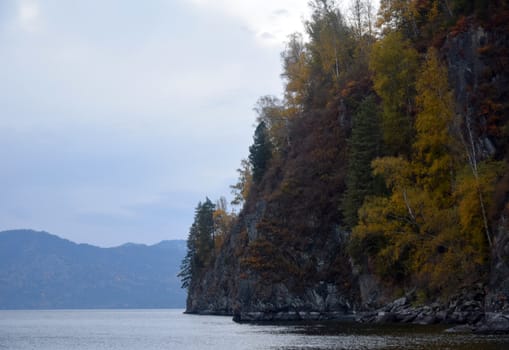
(232, 287)
(478, 61)
(467, 307)
(466, 311)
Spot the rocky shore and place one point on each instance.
(291, 316)
(465, 313)
(466, 318)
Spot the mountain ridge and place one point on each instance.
(39, 270)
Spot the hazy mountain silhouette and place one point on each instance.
(39, 270)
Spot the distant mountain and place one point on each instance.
(42, 271)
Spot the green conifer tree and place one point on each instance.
(200, 243)
(364, 146)
(260, 152)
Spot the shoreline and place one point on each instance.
(467, 317)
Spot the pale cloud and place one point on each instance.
(118, 117)
(271, 21)
(28, 15)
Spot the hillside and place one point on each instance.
(381, 174)
(42, 271)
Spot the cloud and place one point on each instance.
(281, 12)
(280, 18)
(28, 15)
(118, 118)
(268, 36)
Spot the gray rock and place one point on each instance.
(408, 318)
(385, 317)
(399, 303)
(424, 319)
(441, 316)
(494, 323)
(464, 328)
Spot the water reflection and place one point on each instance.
(349, 335)
(170, 329)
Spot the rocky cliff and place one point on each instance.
(285, 259)
(477, 56)
(263, 274)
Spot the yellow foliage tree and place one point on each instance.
(241, 189)
(296, 71)
(394, 64)
(223, 221)
(434, 148)
(429, 230)
(398, 15)
(474, 194)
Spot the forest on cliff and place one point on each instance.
(387, 155)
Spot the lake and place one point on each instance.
(171, 329)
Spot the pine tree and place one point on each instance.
(188, 265)
(260, 152)
(364, 146)
(200, 243)
(206, 230)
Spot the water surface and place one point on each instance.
(170, 329)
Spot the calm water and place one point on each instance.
(170, 329)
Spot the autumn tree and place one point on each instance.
(423, 232)
(434, 147)
(223, 220)
(474, 194)
(273, 114)
(241, 189)
(398, 15)
(394, 65)
(330, 52)
(362, 17)
(295, 74)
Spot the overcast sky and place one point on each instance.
(118, 116)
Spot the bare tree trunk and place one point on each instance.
(337, 63)
(369, 16)
(472, 161)
(409, 208)
(449, 10)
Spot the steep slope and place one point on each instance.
(286, 259)
(432, 224)
(39, 270)
(478, 61)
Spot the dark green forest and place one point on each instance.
(374, 140)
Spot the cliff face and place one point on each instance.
(478, 61)
(233, 287)
(295, 264)
(477, 58)
(286, 258)
(215, 292)
(304, 282)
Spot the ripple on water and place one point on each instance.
(170, 329)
